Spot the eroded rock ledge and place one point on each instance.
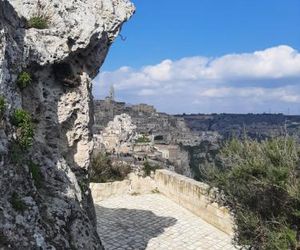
(45, 199)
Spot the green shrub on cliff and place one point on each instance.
(38, 22)
(24, 79)
(41, 18)
(22, 120)
(260, 183)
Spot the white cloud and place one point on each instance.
(271, 75)
(277, 62)
(146, 92)
(160, 72)
(285, 94)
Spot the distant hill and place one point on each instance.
(254, 125)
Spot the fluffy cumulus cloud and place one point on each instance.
(250, 82)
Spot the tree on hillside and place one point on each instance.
(260, 184)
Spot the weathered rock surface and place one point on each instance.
(49, 206)
(119, 135)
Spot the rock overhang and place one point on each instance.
(73, 27)
(76, 41)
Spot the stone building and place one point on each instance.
(144, 108)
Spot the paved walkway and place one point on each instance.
(154, 222)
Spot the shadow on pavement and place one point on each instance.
(129, 228)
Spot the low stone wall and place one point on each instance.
(193, 196)
(134, 185)
(102, 191)
(186, 192)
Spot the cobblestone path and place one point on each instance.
(154, 222)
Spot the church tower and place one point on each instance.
(112, 93)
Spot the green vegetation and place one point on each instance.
(22, 120)
(148, 168)
(102, 170)
(2, 106)
(142, 139)
(41, 18)
(260, 183)
(38, 22)
(24, 79)
(36, 174)
(17, 203)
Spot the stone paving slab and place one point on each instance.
(154, 222)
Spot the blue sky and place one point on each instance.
(173, 35)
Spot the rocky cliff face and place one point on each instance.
(45, 200)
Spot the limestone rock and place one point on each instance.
(45, 200)
(119, 135)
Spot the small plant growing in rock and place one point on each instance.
(38, 22)
(2, 106)
(36, 174)
(41, 19)
(24, 80)
(22, 120)
(17, 203)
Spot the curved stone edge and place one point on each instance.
(184, 191)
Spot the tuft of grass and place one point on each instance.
(41, 18)
(22, 120)
(36, 174)
(17, 203)
(24, 80)
(38, 22)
